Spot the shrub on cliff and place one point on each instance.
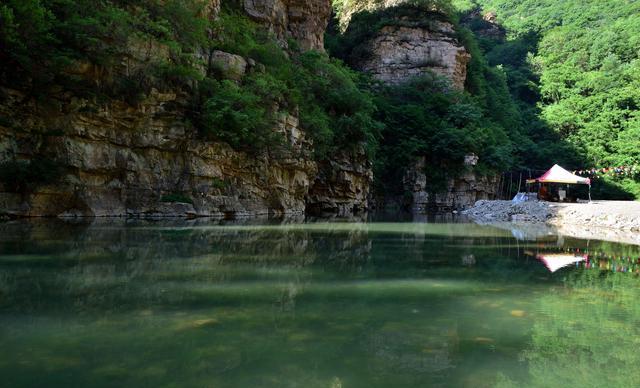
(43, 41)
(424, 118)
(334, 107)
(241, 116)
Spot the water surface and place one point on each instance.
(142, 304)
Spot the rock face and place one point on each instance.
(304, 21)
(146, 161)
(121, 161)
(399, 53)
(485, 25)
(410, 44)
(460, 193)
(342, 185)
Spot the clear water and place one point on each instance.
(312, 305)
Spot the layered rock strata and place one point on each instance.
(118, 160)
(341, 186)
(460, 192)
(145, 159)
(399, 53)
(304, 21)
(411, 43)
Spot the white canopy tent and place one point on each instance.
(556, 261)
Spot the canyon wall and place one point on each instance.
(145, 159)
(117, 160)
(400, 52)
(409, 44)
(304, 21)
(460, 192)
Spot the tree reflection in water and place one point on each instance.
(315, 305)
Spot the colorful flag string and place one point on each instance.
(620, 171)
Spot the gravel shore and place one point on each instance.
(606, 220)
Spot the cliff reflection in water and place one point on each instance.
(190, 303)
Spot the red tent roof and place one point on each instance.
(557, 174)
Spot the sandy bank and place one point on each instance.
(603, 220)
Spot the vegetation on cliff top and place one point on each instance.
(575, 65)
(330, 99)
(563, 87)
(425, 117)
(45, 42)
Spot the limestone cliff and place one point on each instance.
(342, 185)
(400, 52)
(119, 160)
(409, 42)
(413, 41)
(459, 193)
(116, 158)
(304, 21)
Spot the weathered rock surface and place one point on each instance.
(341, 186)
(230, 66)
(123, 161)
(408, 45)
(399, 53)
(118, 160)
(460, 193)
(304, 21)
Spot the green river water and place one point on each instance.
(144, 304)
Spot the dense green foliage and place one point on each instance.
(576, 65)
(564, 86)
(333, 106)
(425, 118)
(44, 42)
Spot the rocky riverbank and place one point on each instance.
(606, 220)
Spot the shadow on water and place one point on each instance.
(195, 303)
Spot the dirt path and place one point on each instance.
(618, 214)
